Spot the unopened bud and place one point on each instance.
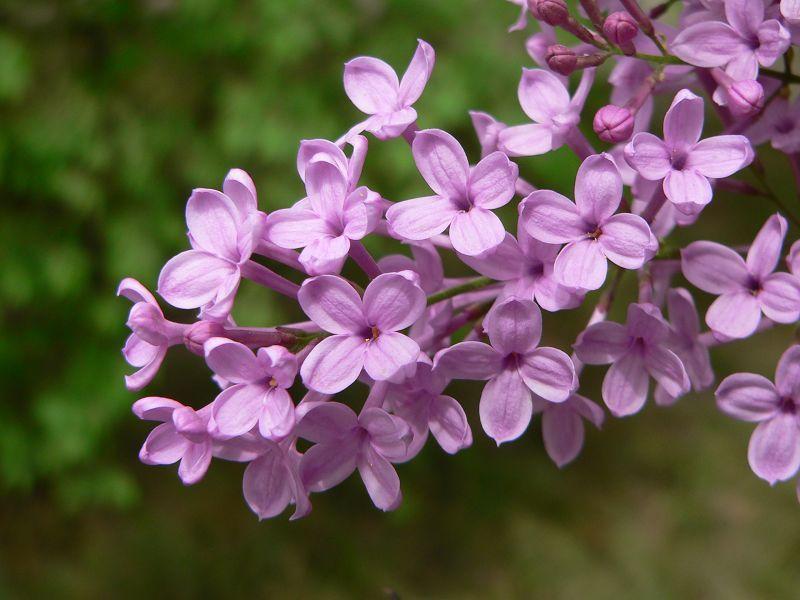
(620, 28)
(561, 59)
(199, 333)
(613, 124)
(552, 12)
(745, 98)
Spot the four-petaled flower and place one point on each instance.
(464, 197)
(589, 228)
(365, 333)
(745, 289)
(514, 367)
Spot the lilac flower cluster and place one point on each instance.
(401, 330)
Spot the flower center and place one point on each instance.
(787, 405)
(272, 382)
(374, 332)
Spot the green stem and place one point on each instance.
(470, 286)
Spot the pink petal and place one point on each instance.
(325, 255)
(598, 188)
(505, 407)
(371, 85)
(682, 312)
(720, 156)
(714, 268)
(562, 430)
(542, 95)
(155, 408)
(765, 251)
(266, 484)
(708, 44)
(319, 149)
(787, 373)
(333, 304)
(587, 409)
(441, 162)
(491, 182)
(327, 189)
(194, 463)
(327, 422)
(417, 74)
(468, 360)
(625, 385)
(421, 218)
(548, 373)
(135, 291)
(649, 156)
(743, 15)
(780, 297)
(380, 479)
(295, 227)
(237, 408)
(602, 343)
(138, 352)
(389, 354)
(625, 240)
(213, 222)
(503, 262)
(232, 361)
(163, 446)
(326, 465)
(392, 302)
(683, 122)
(514, 326)
(334, 363)
(774, 449)
(734, 314)
(239, 187)
(581, 264)
(475, 231)
(551, 218)
(688, 190)
(448, 424)
(748, 397)
(192, 278)
(277, 418)
(667, 369)
(145, 375)
(526, 140)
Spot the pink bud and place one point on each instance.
(620, 28)
(613, 124)
(199, 333)
(561, 59)
(745, 98)
(552, 12)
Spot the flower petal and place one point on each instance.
(326, 465)
(389, 354)
(505, 407)
(598, 188)
(708, 44)
(325, 255)
(720, 156)
(551, 218)
(441, 162)
(542, 95)
(765, 251)
(327, 422)
(774, 449)
(683, 122)
(237, 408)
(192, 278)
(380, 479)
(581, 264)
(625, 385)
(476, 231)
(333, 304)
(371, 85)
(393, 302)
(562, 430)
(448, 424)
(667, 369)
(213, 221)
(787, 373)
(526, 140)
(232, 361)
(277, 418)
(417, 74)
(334, 363)
(688, 190)
(327, 189)
(514, 326)
(194, 463)
(548, 373)
(239, 187)
(266, 484)
(468, 360)
(649, 156)
(625, 240)
(747, 397)
(295, 227)
(491, 182)
(163, 446)
(421, 218)
(714, 268)
(735, 314)
(780, 298)
(602, 343)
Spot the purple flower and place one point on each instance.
(182, 436)
(223, 230)
(514, 367)
(682, 160)
(589, 228)
(464, 197)
(272, 481)
(488, 129)
(316, 150)
(545, 99)
(420, 402)
(527, 269)
(740, 45)
(257, 394)
(774, 450)
(636, 351)
(780, 125)
(745, 289)
(344, 442)
(562, 425)
(686, 343)
(152, 334)
(365, 334)
(325, 222)
(373, 88)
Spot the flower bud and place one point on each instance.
(745, 98)
(199, 333)
(561, 59)
(620, 28)
(613, 124)
(552, 12)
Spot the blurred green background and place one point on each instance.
(110, 112)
